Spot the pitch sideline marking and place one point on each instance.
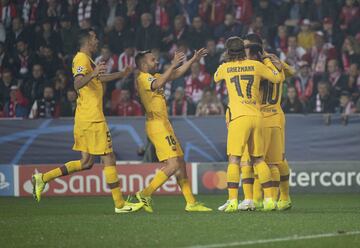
(265, 241)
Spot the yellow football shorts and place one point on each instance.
(245, 130)
(162, 136)
(92, 137)
(273, 145)
(283, 126)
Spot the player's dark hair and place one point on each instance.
(235, 49)
(255, 46)
(84, 35)
(139, 56)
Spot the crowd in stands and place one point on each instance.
(38, 39)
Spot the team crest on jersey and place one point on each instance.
(275, 72)
(80, 69)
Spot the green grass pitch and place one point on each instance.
(90, 222)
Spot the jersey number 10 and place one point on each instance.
(268, 93)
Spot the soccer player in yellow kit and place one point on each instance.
(274, 128)
(158, 127)
(242, 77)
(91, 133)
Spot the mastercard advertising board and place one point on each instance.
(211, 178)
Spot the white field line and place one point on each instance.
(266, 241)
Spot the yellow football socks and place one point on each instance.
(233, 179)
(186, 190)
(284, 180)
(247, 180)
(264, 175)
(112, 181)
(64, 170)
(257, 190)
(275, 177)
(159, 179)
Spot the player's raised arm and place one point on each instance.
(160, 81)
(81, 80)
(198, 54)
(267, 72)
(218, 75)
(116, 75)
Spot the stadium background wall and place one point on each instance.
(322, 158)
(206, 178)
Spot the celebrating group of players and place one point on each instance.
(255, 143)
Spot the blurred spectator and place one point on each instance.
(319, 9)
(213, 11)
(321, 52)
(303, 82)
(17, 105)
(196, 82)
(52, 9)
(353, 81)
(68, 33)
(267, 11)
(349, 13)
(212, 60)
(147, 35)
(119, 35)
(4, 57)
(323, 101)
(164, 12)
(48, 37)
(59, 88)
(228, 28)
(179, 32)
(87, 9)
(332, 35)
(127, 58)
(17, 32)
(109, 12)
(23, 60)
(336, 79)
(68, 106)
(306, 37)
(126, 106)
(209, 105)
(257, 26)
(346, 105)
(350, 52)
(34, 85)
(281, 40)
(50, 61)
(7, 12)
(189, 9)
(294, 13)
(180, 104)
(6, 82)
(111, 60)
(198, 34)
(292, 103)
(2, 33)
(30, 12)
(243, 11)
(47, 106)
(293, 53)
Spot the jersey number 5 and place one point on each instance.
(236, 80)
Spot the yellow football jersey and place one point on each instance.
(90, 97)
(271, 99)
(153, 100)
(243, 84)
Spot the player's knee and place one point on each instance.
(234, 159)
(87, 165)
(257, 160)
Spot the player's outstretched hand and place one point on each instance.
(179, 57)
(275, 60)
(100, 69)
(128, 70)
(198, 54)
